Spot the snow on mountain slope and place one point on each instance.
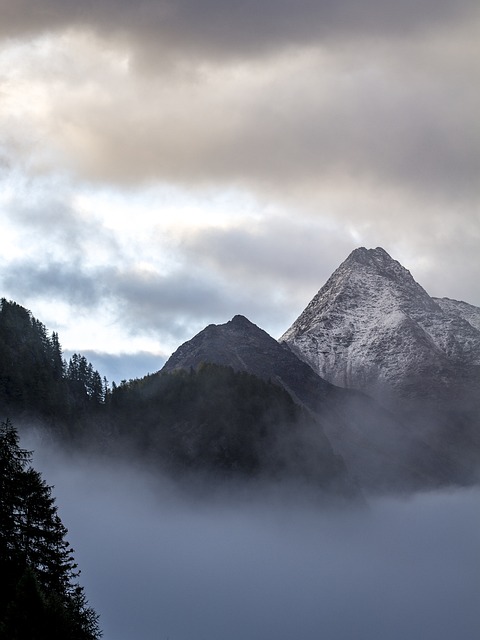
(466, 311)
(374, 328)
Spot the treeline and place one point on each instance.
(40, 596)
(35, 377)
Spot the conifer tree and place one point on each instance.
(39, 593)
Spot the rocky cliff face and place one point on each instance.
(372, 327)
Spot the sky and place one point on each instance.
(158, 565)
(167, 165)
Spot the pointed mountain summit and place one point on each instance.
(373, 327)
(242, 345)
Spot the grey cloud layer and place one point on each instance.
(65, 281)
(378, 113)
(172, 306)
(369, 107)
(229, 26)
(289, 258)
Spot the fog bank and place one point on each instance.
(156, 565)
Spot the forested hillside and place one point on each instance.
(34, 376)
(224, 422)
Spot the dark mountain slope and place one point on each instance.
(378, 449)
(242, 345)
(226, 425)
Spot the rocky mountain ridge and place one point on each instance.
(466, 311)
(373, 327)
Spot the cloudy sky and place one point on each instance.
(165, 165)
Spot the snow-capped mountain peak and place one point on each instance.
(373, 327)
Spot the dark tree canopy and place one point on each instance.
(34, 377)
(40, 596)
(223, 422)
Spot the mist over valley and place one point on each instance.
(157, 563)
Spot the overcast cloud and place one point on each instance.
(164, 165)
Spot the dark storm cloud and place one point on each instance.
(215, 27)
(156, 565)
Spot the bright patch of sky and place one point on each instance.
(166, 208)
(103, 332)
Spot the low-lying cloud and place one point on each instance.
(160, 565)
